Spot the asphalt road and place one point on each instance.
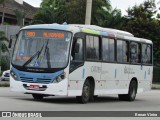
(12, 101)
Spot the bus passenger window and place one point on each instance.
(146, 54)
(108, 49)
(77, 56)
(77, 50)
(122, 51)
(135, 52)
(92, 47)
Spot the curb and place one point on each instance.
(4, 83)
(155, 86)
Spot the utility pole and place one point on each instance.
(88, 12)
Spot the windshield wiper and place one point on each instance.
(32, 57)
(47, 53)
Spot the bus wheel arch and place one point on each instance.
(92, 83)
(136, 81)
(87, 91)
(132, 91)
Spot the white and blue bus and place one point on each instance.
(80, 60)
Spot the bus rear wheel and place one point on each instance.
(37, 96)
(131, 93)
(85, 93)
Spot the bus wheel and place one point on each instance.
(85, 93)
(37, 96)
(131, 93)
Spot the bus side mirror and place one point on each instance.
(77, 46)
(10, 43)
(16, 36)
(12, 40)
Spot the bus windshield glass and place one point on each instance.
(42, 49)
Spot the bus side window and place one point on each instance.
(122, 51)
(77, 54)
(77, 50)
(108, 49)
(92, 47)
(146, 54)
(135, 52)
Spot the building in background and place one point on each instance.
(11, 6)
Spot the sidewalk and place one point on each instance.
(4, 83)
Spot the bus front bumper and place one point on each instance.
(36, 88)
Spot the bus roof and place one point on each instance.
(138, 39)
(84, 28)
(92, 29)
(101, 29)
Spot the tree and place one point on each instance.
(100, 9)
(45, 15)
(114, 19)
(4, 63)
(3, 42)
(142, 22)
(71, 11)
(20, 16)
(3, 2)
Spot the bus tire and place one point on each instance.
(131, 93)
(85, 93)
(37, 96)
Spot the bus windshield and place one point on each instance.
(42, 49)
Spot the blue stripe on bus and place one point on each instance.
(83, 73)
(145, 75)
(115, 73)
(43, 78)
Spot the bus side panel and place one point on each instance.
(146, 82)
(76, 80)
(143, 74)
(122, 78)
(77, 77)
(116, 79)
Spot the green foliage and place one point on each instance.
(114, 19)
(3, 41)
(20, 16)
(4, 63)
(156, 75)
(3, 48)
(71, 11)
(3, 1)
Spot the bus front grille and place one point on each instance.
(36, 80)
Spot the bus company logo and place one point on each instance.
(6, 114)
(96, 69)
(128, 70)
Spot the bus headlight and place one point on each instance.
(13, 74)
(60, 78)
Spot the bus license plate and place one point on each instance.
(34, 87)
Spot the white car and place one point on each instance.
(5, 75)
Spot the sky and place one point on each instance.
(35, 3)
(123, 5)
